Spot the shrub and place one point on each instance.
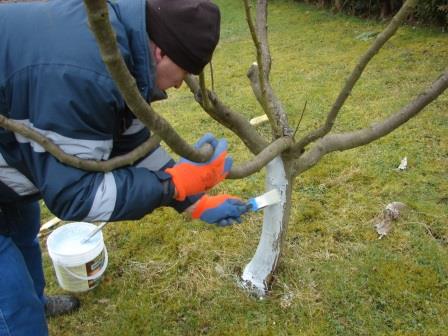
(427, 12)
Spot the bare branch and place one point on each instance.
(225, 116)
(262, 159)
(261, 22)
(260, 62)
(89, 165)
(212, 77)
(257, 43)
(100, 25)
(273, 101)
(300, 120)
(259, 73)
(203, 90)
(344, 141)
(242, 128)
(382, 38)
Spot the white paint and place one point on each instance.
(78, 266)
(258, 270)
(65, 244)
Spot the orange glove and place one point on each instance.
(191, 178)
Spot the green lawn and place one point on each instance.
(169, 275)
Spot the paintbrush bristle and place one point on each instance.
(272, 196)
(269, 198)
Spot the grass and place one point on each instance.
(169, 275)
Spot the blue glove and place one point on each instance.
(191, 178)
(222, 210)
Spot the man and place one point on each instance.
(53, 80)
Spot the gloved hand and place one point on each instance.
(191, 178)
(222, 210)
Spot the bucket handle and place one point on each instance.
(94, 276)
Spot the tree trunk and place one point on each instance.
(385, 9)
(337, 6)
(257, 274)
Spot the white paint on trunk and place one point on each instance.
(258, 271)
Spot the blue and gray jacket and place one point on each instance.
(53, 80)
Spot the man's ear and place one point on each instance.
(158, 54)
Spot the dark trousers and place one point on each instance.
(21, 274)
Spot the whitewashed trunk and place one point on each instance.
(258, 272)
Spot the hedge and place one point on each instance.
(433, 12)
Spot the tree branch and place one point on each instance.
(225, 116)
(345, 141)
(89, 165)
(203, 92)
(264, 68)
(275, 149)
(241, 127)
(274, 101)
(261, 21)
(382, 38)
(265, 95)
(100, 25)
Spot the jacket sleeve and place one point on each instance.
(79, 111)
(134, 134)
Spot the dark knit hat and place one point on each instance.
(186, 30)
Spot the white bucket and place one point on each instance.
(79, 266)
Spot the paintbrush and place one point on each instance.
(269, 198)
(94, 232)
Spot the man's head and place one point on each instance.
(185, 34)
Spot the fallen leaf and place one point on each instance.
(366, 36)
(220, 270)
(286, 300)
(389, 214)
(403, 164)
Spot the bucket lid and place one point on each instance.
(65, 247)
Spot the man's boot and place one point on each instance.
(60, 305)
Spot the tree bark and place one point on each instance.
(385, 9)
(257, 274)
(89, 165)
(337, 6)
(227, 117)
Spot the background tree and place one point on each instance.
(434, 12)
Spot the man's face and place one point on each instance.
(168, 74)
